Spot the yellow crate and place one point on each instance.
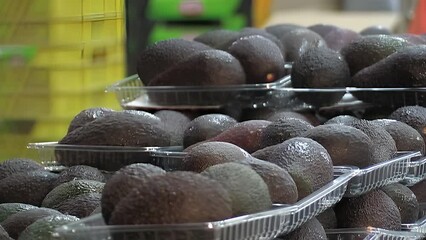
(62, 93)
(12, 11)
(80, 55)
(63, 33)
(49, 130)
(14, 136)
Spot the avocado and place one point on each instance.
(367, 50)
(346, 145)
(247, 134)
(308, 163)
(87, 115)
(3, 234)
(339, 37)
(312, 229)
(217, 38)
(122, 182)
(81, 205)
(115, 129)
(278, 30)
(173, 198)
(17, 222)
(414, 116)
(306, 116)
(200, 156)
(7, 209)
(401, 69)
(28, 187)
(322, 29)
(261, 58)
(375, 30)
(406, 138)
(205, 68)
(405, 200)
(328, 219)
(79, 172)
(174, 123)
(18, 165)
(419, 190)
(372, 209)
(298, 41)
(411, 38)
(250, 31)
(43, 228)
(70, 190)
(320, 68)
(162, 55)
(206, 126)
(342, 119)
(248, 192)
(281, 185)
(283, 129)
(384, 145)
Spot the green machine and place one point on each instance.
(149, 21)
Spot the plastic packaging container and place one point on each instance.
(416, 171)
(371, 233)
(378, 175)
(419, 225)
(133, 95)
(51, 154)
(264, 225)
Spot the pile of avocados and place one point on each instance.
(233, 165)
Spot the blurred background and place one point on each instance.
(57, 57)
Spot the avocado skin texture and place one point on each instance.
(298, 41)
(247, 190)
(308, 163)
(373, 209)
(28, 187)
(406, 137)
(320, 68)
(283, 129)
(115, 129)
(281, 185)
(206, 126)
(17, 222)
(346, 145)
(419, 190)
(405, 200)
(206, 154)
(70, 190)
(175, 197)
(18, 165)
(217, 38)
(43, 228)
(79, 172)
(174, 123)
(261, 58)
(81, 205)
(312, 229)
(367, 50)
(375, 30)
(384, 145)
(328, 219)
(87, 115)
(7, 209)
(342, 119)
(3, 234)
(278, 30)
(122, 182)
(162, 55)
(414, 116)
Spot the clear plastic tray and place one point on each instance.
(131, 94)
(265, 225)
(371, 233)
(110, 157)
(419, 225)
(378, 175)
(416, 171)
